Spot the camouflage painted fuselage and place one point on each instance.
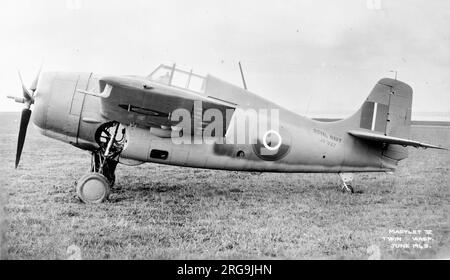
(69, 115)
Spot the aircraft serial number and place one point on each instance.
(328, 143)
(326, 138)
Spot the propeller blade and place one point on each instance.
(24, 119)
(25, 91)
(36, 79)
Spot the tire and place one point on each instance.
(350, 188)
(93, 188)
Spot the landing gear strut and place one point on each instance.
(95, 186)
(346, 179)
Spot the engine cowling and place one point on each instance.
(64, 113)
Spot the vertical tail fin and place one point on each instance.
(387, 110)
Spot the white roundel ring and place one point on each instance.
(265, 140)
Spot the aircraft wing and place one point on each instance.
(136, 100)
(370, 136)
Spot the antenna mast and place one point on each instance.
(242, 76)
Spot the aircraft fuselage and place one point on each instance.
(305, 145)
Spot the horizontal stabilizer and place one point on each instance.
(371, 136)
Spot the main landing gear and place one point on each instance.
(346, 179)
(95, 186)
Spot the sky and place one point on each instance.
(314, 57)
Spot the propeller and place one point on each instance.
(27, 100)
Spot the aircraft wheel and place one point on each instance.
(93, 188)
(351, 189)
(348, 188)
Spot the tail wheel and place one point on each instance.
(347, 188)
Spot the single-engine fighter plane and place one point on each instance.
(178, 117)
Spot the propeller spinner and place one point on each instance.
(27, 100)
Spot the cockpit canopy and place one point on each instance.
(172, 75)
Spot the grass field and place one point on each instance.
(166, 212)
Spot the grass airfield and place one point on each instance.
(166, 212)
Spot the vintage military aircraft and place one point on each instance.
(178, 117)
